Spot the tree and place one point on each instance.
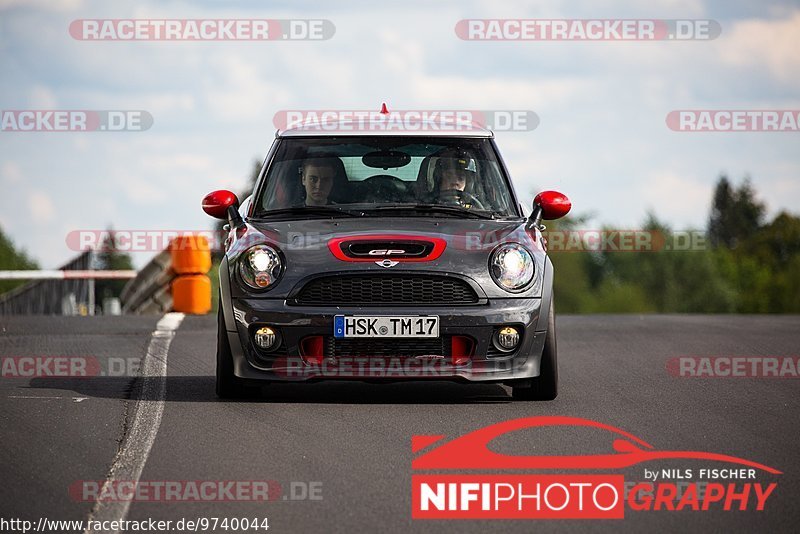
(242, 194)
(571, 286)
(777, 242)
(12, 260)
(216, 254)
(719, 225)
(775, 249)
(110, 259)
(736, 214)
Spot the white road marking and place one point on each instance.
(145, 420)
(43, 397)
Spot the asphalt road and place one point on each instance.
(351, 442)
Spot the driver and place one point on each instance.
(453, 179)
(453, 172)
(316, 175)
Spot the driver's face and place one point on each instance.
(453, 180)
(318, 181)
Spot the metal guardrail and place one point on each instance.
(53, 296)
(55, 274)
(149, 291)
(175, 279)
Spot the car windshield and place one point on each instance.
(408, 176)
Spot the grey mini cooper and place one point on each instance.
(364, 254)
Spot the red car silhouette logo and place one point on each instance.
(471, 451)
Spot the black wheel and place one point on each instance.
(229, 386)
(545, 386)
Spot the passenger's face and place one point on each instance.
(317, 181)
(453, 180)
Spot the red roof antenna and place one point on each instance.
(384, 109)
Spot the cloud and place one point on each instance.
(602, 137)
(175, 163)
(238, 91)
(141, 190)
(55, 5)
(659, 190)
(41, 207)
(41, 97)
(10, 172)
(767, 47)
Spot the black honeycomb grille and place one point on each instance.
(380, 290)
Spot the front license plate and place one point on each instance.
(403, 326)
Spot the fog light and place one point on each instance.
(507, 338)
(265, 337)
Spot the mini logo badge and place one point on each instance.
(387, 263)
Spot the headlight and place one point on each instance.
(260, 266)
(511, 266)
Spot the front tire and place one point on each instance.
(228, 385)
(545, 386)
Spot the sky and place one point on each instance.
(602, 137)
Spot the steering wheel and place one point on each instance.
(386, 187)
(462, 198)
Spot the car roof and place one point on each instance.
(376, 126)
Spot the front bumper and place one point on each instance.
(296, 323)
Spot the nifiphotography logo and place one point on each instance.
(713, 482)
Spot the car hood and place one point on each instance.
(468, 244)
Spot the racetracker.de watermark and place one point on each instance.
(734, 120)
(406, 120)
(587, 29)
(368, 367)
(622, 240)
(74, 120)
(143, 240)
(734, 366)
(586, 240)
(202, 29)
(56, 366)
(175, 490)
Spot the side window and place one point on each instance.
(283, 188)
(244, 207)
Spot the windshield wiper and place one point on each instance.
(314, 210)
(435, 208)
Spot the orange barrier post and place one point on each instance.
(191, 293)
(190, 254)
(191, 260)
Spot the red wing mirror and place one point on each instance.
(553, 204)
(217, 203)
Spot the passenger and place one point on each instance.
(317, 176)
